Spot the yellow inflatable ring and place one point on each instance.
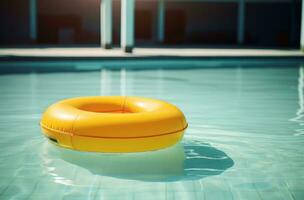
(113, 124)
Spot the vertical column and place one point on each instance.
(241, 22)
(161, 21)
(33, 19)
(302, 27)
(106, 23)
(127, 25)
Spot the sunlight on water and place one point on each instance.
(244, 141)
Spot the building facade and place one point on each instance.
(126, 23)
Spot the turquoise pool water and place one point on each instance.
(245, 138)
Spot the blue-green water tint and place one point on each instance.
(244, 141)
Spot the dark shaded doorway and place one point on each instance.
(116, 9)
(175, 21)
(143, 25)
(58, 29)
(277, 24)
(68, 22)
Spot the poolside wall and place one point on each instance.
(68, 22)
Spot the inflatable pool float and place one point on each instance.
(113, 124)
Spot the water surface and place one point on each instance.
(245, 138)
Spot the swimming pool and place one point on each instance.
(245, 138)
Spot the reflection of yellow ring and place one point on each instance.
(113, 124)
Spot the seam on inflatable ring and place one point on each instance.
(73, 130)
(182, 123)
(74, 122)
(124, 104)
(56, 130)
(163, 134)
(68, 133)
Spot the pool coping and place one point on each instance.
(86, 59)
(166, 57)
(166, 52)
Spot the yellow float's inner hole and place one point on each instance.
(105, 108)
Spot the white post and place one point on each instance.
(241, 22)
(33, 19)
(127, 25)
(302, 27)
(161, 21)
(106, 23)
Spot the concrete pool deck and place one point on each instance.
(95, 58)
(100, 53)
